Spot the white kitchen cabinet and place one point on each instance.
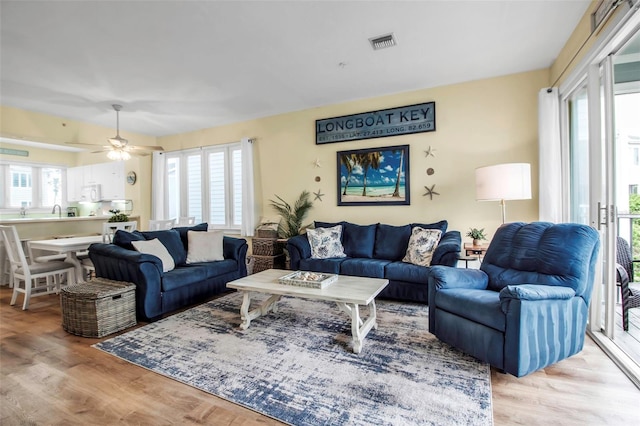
(74, 183)
(112, 179)
(110, 176)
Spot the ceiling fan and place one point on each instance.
(119, 148)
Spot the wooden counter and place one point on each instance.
(53, 227)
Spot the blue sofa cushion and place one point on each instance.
(533, 254)
(480, 306)
(170, 238)
(183, 276)
(391, 242)
(184, 230)
(401, 271)
(124, 238)
(329, 266)
(358, 240)
(361, 267)
(214, 269)
(442, 225)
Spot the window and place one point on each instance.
(31, 186)
(206, 183)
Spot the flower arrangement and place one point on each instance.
(117, 216)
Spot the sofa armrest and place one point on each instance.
(536, 292)
(144, 270)
(543, 324)
(444, 277)
(236, 249)
(298, 248)
(441, 277)
(448, 250)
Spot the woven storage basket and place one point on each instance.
(266, 233)
(262, 263)
(266, 247)
(98, 307)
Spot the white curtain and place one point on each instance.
(248, 197)
(550, 158)
(157, 185)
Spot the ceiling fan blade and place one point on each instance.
(145, 148)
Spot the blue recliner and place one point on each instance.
(526, 308)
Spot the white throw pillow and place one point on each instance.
(325, 242)
(205, 246)
(422, 244)
(156, 248)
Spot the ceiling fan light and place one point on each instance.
(118, 155)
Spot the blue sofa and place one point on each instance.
(527, 306)
(376, 251)
(159, 292)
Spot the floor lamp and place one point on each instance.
(511, 181)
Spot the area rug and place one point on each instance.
(297, 365)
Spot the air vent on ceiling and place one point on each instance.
(383, 41)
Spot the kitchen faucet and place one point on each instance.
(59, 210)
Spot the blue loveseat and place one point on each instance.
(159, 292)
(377, 251)
(527, 306)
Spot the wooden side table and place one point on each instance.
(467, 259)
(471, 250)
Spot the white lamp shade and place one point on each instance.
(511, 181)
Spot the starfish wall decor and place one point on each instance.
(430, 191)
(431, 152)
(318, 195)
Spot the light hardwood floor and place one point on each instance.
(48, 376)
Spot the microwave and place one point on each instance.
(91, 193)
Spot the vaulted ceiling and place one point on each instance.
(178, 66)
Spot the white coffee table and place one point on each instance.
(347, 292)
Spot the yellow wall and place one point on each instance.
(21, 124)
(478, 123)
(40, 155)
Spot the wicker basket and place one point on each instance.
(98, 307)
(266, 233)
(266, 247)
(262, 263)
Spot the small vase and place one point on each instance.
(476, 242)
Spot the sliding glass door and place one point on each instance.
(603, 132)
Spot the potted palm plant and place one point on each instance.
(292, 216)
(477, 235)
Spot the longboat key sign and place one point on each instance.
(377, 124)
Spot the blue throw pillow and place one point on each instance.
(391, 242)
(358, 240)
(170, 238)
(442, 226)
(124, 238)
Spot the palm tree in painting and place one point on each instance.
(396, 192)
(368, 160)
(349, 161)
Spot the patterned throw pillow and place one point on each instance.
(325, 242)
(422, 244)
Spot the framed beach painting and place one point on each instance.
(374, 176)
